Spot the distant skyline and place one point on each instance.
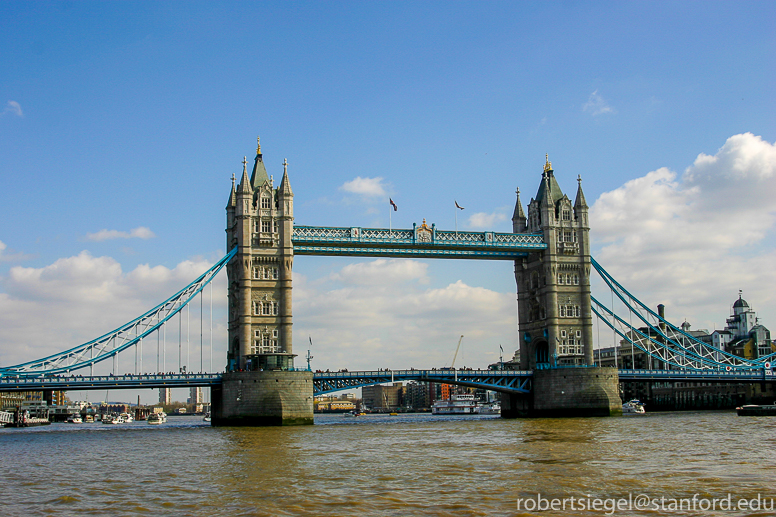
(122, 124)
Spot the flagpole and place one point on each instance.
(390, 223)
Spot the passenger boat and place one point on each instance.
(75, 419)
(461, 404)
(757, 410)
(127, 417)
(633, 407)
(156, 418)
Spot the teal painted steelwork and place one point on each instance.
(128, 335)
(506, 381)
(102, 382)
(420, 242)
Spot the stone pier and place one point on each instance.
(567, 392)
(263, 398)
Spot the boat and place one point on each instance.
(157, 418)
(127, 417)
(460, 404)
(494, 408)
(75, 419)
(89, 419)
(757, 410)
(112, 419)
(207, 417)
(633, 407)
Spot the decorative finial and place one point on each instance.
(258, 145)
(579, 179)
(517, 191)
(547, 164)
(285, 165)
(232, 181)
(245, 164)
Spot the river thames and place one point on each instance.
(395, 465)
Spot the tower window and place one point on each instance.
(265, 202)
(265, 226)
(566, 215)
(267, 308)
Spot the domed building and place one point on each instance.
(743, 335)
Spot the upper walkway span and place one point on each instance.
(419, 242)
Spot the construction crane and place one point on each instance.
(456, 352)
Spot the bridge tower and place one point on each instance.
(261, 386)
(554, 312)
(260, 223)
(553, 287)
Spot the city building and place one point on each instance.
(195, 395)
(381, 397)
(165, 396)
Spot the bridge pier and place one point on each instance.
(567, 392)
(263, 398)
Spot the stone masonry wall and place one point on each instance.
(263, 398)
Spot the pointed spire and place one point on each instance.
(580, 201)
(285, 185)
(259, 174)
(232, 197)
(245, 185)
(518, 217)
(518, 213)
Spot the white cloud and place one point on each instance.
(691, 242)
(596, 105)
(369, 187)
(483, 221)
(141, 232)
(13, 108)
(75, 299)
(378, 314)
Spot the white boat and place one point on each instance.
(112, 419)
(494, 408)
(461, 404)
(157, 418)
(633, 407)
(75, 419)
(127, 417)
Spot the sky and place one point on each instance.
(121, 125)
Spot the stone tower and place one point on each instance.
(259, 222)
(553, 286)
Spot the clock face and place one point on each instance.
(424, 236)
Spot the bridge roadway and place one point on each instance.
(506, 381)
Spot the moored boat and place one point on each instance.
(633, 407)
(75, 419)
(460, 404)
(757, 410)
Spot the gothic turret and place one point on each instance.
(518, 216)
(259, 175)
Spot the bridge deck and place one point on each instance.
(507, 381)
(419, 242)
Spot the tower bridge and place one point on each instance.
(549, 245)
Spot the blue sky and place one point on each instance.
(132, 117)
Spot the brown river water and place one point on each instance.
(396, 466)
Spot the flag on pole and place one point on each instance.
(311, 340)
(457, 205)
(395, 208)
(501, 347)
